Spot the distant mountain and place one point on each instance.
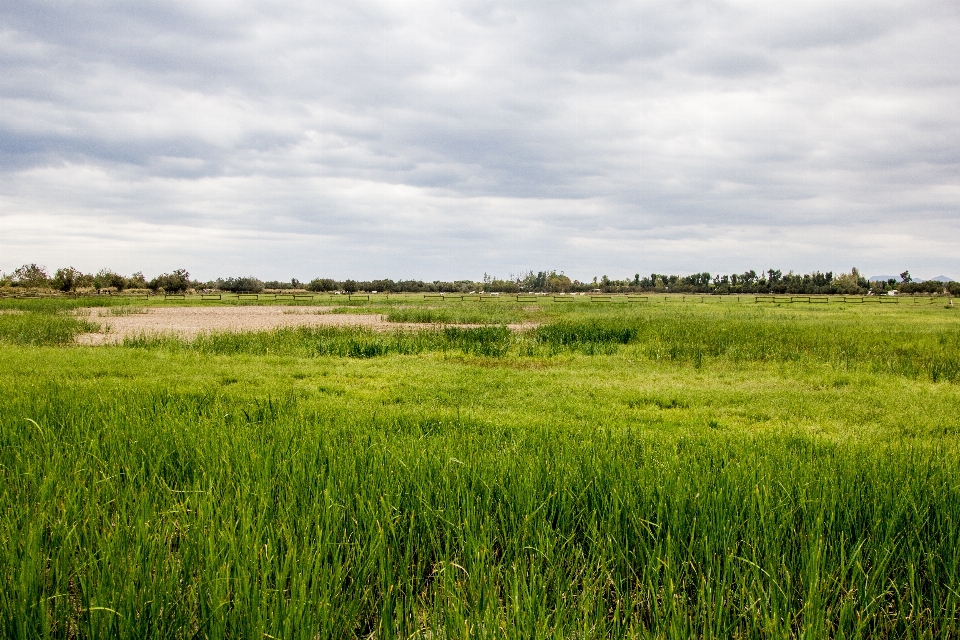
(942, 279)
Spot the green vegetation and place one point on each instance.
(771, 281)
(648, 470)
(490, 313)
(40, 322)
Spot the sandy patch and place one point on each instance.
(188, 322)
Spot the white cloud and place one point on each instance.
(434, 139)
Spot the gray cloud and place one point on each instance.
(435, 139)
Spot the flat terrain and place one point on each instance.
(597, 470)
(119, 323)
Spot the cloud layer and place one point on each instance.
(441, 139)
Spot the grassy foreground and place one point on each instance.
(645, 471)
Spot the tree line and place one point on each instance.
(772, 281)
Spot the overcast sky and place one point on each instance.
(442, 140)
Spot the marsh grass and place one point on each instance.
(499, 313)
(157, 513)
(357, 309)
(655, 472)
(352, 342)
(914, 352)
(41, 329)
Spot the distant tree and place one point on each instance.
(174, 282)
(65, 279)
(953, 288)
(30, 275)
(350, 286)
(106, 278)
(849, 283)
(558, 282)
(136, 281)
(905, 277)
(385, 284)
(323, 284)
(932, 287)
(247, 284)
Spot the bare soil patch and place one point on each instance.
(188, 322)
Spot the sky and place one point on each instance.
(443, 140)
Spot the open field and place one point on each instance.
(490, 469)
(126, 322)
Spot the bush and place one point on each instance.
(953, 288)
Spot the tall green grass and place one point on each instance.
(354, 342)
(493, 313)
(324, 483)
(691, 338)
(909, 351)
(157, 515)
(31, 328)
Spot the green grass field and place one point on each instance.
(644, 470)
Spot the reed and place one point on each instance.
(655, 472)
